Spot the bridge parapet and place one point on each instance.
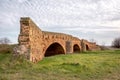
(54, 35)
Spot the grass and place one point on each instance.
(95, 65)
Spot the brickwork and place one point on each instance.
(42, 43)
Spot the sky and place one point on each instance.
(94, 20)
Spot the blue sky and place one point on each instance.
(86, 19)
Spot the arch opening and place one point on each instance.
(87, 48)
(54, 49)
(76, 48)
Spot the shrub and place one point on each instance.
(5, 48)
(104, 48)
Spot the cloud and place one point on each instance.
(75, 17)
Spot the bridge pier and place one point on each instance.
(69, 48)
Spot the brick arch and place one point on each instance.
(52, 41)
(54, 49)
(76, 48)
(37, 42)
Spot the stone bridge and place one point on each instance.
(41, 44)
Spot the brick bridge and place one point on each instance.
(40, 44)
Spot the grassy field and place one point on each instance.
(100, 65)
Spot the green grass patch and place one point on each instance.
(95, 65)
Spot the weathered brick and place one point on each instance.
(42, 43)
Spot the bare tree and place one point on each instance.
(4, 45)
(4, 41)
(116, 43)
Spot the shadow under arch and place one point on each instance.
(76, 48)
(87, 48)
(54, 49)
